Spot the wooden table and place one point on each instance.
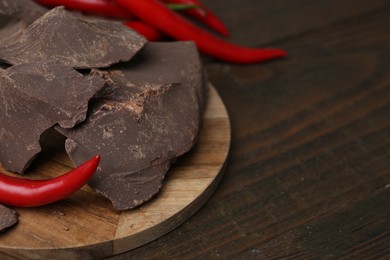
(309, 167)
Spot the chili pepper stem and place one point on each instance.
(204, 15)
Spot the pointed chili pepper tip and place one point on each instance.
(20, 192)
(96, 159)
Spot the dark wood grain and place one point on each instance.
(309, 168)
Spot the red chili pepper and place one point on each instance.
(158, 15)
(145, 30)
(22, 192)
(203, 14)
(100, 7)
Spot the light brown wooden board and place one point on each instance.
(85, 225)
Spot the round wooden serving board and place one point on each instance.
(86, 226)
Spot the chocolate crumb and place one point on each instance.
(59, 213)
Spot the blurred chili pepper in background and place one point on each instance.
(98, 7)
(149, 32)
(158, 15)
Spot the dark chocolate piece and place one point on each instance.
(126, 189)
(34, 97)
(8, 218)
(62, 36)
(163, 62)
(147, 115)
(131, 128)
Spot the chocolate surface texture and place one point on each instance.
(147, 114)
(10, 30)
(25, 10)
(15, 17)
(34, 97)
(61, 36)
(8, 218)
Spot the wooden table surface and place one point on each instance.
(309, 168)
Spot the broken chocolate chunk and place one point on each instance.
(35, 97)
(8, 218)
(129, 140)
(125, 189)
(147, 115)
(62, 36)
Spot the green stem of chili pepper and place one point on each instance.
(203, 14)
(20, 192)
(181, 7)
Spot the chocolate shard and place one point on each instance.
(133, 132)
(147, 115)
(34, 97)
(126, 189)
(62, 36)
(8, 218)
